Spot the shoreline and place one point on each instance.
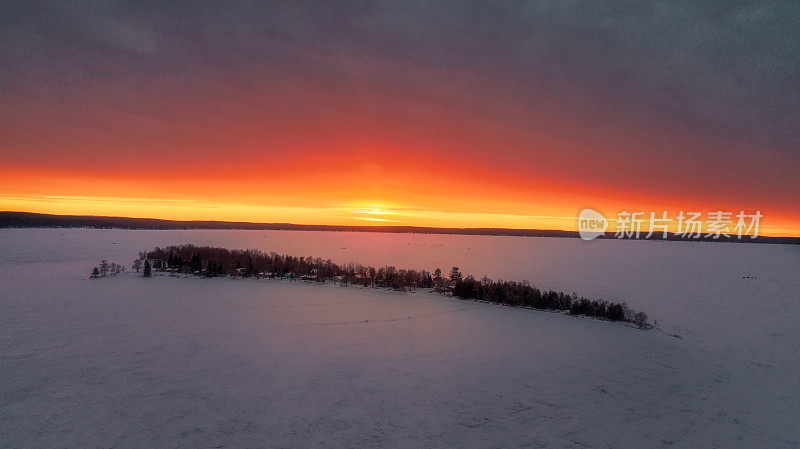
(27, 220)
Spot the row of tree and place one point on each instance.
(104, 268)
(214, 261)
(112, 269)
(522, 294)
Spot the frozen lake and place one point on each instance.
(132, 362)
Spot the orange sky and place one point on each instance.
(326, 125)
(330, 192)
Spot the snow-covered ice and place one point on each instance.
(172, 362)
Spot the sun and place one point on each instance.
(376, 212)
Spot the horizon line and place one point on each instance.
(22, 219)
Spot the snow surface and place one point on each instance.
(172, 362)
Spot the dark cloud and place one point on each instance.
(729, 73)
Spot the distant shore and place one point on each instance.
(9, 219)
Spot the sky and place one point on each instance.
(457, 114)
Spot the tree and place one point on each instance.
(437, 278)
(137, 264)
(103, 267)
(95, 272)
(195, 264)
(455, 275)
(640, 319)
(147, 271)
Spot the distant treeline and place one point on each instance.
(33, 220)
(208, 261)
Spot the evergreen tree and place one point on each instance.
(195, 263)
(437, 278)
(147, 271)
(455, 275)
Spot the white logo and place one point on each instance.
(591, 224)
(687, 225)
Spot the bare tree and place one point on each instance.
(640, 319)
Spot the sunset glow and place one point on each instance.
(331, 127)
